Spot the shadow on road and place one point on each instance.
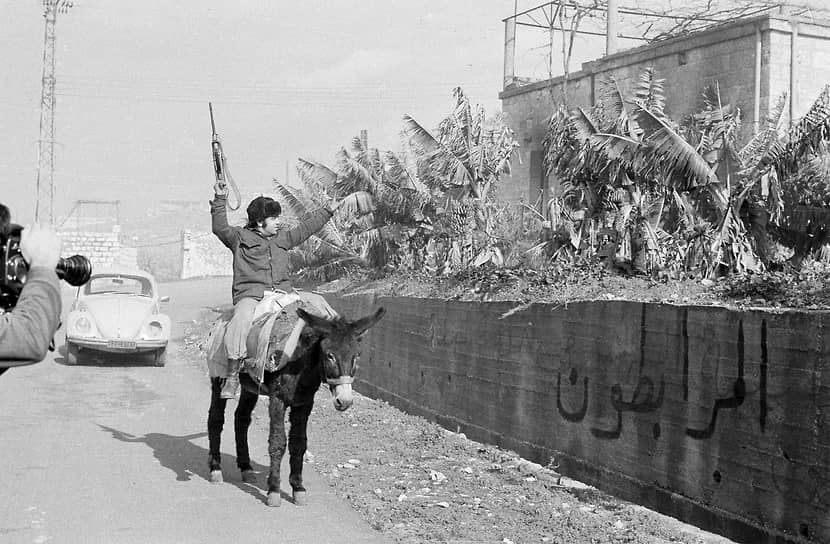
(180, 454)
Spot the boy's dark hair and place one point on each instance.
(260, 208)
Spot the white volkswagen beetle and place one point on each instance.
(117, 311)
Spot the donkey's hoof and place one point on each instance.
(249, 476)
(216, 476)
(300, 498)
(274, 498)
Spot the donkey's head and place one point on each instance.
(340, 349)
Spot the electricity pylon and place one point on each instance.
(44, 207)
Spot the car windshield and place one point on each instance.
(129, 285)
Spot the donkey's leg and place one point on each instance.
(216, 420)
(241, 423)
(276, 447)
(297, 444)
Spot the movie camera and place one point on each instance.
(75, 270)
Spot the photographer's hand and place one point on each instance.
(40, 246)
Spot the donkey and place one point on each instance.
(330, 355)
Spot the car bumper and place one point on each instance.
(118, 346)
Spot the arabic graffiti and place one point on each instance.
(642, 402)
(648, 396)
(578, 415)
(737, 398)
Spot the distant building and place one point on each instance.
(754, 61)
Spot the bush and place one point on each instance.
(807, 287)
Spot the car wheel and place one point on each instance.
(160, 357)
(73, 353)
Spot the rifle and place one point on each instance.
(220, 163)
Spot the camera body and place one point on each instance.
(75, 270)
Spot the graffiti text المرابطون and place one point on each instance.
(644, 401)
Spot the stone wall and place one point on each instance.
(725, 55)
(717, 417)
(102, 248)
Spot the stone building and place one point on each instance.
(753, 60)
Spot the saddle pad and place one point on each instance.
(215, 351)
(274, 338)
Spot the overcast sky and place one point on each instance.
(287, 79)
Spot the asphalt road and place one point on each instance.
(115, 451)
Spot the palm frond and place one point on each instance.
(583, 125)
(291, 200)
(616, 147)
(327, 234)
(804, 138)
(357, 146)
(757, 146)
(613, 103)
(358, 203)
(676, 158)
(355, 176)
(447, 164)
(317, 176)
(731, 247)
(649, 91)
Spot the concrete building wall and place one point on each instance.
(725, 55)
(204, 255)
(805, 74)
(714, 416)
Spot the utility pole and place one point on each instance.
(44, 207)
(612, 20)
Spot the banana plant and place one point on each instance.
(790, 178)
(463, 162)
(327, 254)
(403, 204)
(629, 150)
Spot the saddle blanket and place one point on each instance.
(275, 335)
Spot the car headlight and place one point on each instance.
(83, 325)
(154, 330)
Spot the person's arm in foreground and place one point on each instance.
(27, 330)
(308, 225)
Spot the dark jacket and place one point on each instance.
(28, 329)
(261, 263)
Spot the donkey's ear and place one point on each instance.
(365, 323)
(317, 323)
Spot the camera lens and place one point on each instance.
(75, 270)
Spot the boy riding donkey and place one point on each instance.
(283, 357)
(262, 295)
(260, 266)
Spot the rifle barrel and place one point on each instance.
(212, 124)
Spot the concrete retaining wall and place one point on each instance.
(717, 417)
